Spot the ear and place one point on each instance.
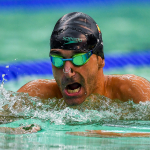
(101, 62)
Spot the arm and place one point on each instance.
(42, 88)
(131, 87)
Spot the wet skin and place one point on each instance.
(77, 83)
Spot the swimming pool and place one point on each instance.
(55, 122)
(25, 39)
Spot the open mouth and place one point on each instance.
(73, 88)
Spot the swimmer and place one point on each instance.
(77, 62)
(76, 53)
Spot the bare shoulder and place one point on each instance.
(129, 86)
(130, 79)
(42, 88)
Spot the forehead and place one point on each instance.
(65, 52)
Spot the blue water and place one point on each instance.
(59, 3)
(25, 36)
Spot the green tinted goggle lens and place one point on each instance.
(78, 60)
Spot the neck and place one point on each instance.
(100, 83)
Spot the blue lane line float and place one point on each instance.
(137, 59)
(43, 67)
(41, 3)
(14, 70)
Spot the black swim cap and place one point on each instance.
(77, 31)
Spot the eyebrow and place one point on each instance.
(55, 53)
(77, 52)
(60, 54)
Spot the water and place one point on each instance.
(56, 120)
(124, 27)
(29, 32)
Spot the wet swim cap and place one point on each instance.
(77, 31)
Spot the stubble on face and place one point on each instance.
(91, 82)
(86, 76)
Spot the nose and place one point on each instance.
(68, 69)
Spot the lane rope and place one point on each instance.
(43, 67)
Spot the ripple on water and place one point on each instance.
(96, 109)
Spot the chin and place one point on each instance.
(74, 101)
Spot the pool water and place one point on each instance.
(28, 36)
(53, 137)
(115, 116)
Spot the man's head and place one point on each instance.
(77, 56)
(77, 31)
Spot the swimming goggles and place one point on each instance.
(78, 59)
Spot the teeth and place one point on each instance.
(73, 91)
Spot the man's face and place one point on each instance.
(76, 83)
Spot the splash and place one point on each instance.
(3, 80)
(96, 109)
